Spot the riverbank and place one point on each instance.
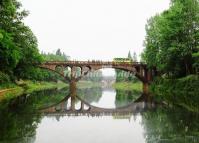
(129, 86)
(88, 84)
(183, 92)
(28, 87)
(137, 86)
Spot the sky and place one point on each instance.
(91, 29)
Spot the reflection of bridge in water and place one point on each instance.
(74, 105)
(69, 106)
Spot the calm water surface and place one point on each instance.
(42, 118)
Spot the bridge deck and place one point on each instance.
(106, 63)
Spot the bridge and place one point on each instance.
(139, 69)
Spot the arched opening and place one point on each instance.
(67, 71)
(59, 69)
(76, 71)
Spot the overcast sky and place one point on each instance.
(91, 29)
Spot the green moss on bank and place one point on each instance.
(29, 87)
(137, 86)
(37, 86)
(183, 91)
(87, 84)
(7, 85)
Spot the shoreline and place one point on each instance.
(180, 91)
(28, 88)
(136, 86)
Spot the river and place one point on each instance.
(93, 115)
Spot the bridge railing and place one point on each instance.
(94, 62)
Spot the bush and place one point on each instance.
(183, 91)
(4, 78)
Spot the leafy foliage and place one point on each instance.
(4, 77)
(182, 91)
(172, 46)
(18, 45)
(172, 38)
(170, 125)
(9, 52)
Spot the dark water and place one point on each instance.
(93, 115)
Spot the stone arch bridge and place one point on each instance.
(139, 69)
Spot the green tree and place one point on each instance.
(129, 55)
(134, 57)
(172, 38)
(9, 53)
(58, 52)
(18, 45)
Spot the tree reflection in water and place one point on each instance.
(172, 125)
(18, 122)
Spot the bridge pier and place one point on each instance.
(146, 88)
(73, 94)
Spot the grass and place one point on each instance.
(37, 86)
(7, 85)
(137, 86)
(28, 87)
(11, 93)
(87, 84)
